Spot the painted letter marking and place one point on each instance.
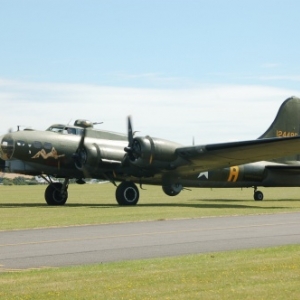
(233, 174)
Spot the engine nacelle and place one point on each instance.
(87, 156)
(147, 151)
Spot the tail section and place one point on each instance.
(286, 124)
(287, 121)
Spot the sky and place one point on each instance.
(212, 71)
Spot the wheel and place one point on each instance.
(127, 193)
(258, 196)
(53, 195)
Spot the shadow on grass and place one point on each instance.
(211, 205)
(244, 200)
(44, 205)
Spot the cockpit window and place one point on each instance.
(65, 129)
(59, 129)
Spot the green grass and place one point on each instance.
(271, 273)
(24, 206)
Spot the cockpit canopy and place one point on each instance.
(76, 129)
(65, 129)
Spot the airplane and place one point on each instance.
(80, 152)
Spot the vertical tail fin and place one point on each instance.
(287, 121)
(286, 124)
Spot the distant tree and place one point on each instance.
(19, 181)
(7, 181)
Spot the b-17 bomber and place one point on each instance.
(80, 151)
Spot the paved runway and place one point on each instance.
(78, 245)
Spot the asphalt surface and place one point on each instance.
(77, 245)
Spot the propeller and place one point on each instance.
(134, 148)
(80, 155)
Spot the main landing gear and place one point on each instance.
(127, 193)
(56, 193)
(258, 195)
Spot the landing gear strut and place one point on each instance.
(127, 193)
(56, 193)
(258, 195)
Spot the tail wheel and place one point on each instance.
(54, 194)
(127, 193)
(258, 196)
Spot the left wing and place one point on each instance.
(221, 155)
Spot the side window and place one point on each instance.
(37, 145)
(71, 130)
(47, 146)
(21, 143)
(79, 132)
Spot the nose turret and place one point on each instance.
(7, 147)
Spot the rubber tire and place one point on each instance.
(127, 193)
(53, 196)
(258, 196)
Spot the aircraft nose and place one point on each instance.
(6, 147)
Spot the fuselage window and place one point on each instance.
(21, 143)
(47, 146)
(37, 145)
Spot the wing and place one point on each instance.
(215, 156)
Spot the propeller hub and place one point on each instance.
(80, 158)
(134, 150)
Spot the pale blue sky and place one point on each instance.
(160, 61)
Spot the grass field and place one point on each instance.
(271, 273)
(24, 206)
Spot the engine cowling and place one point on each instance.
(147, 151)
(88, 156)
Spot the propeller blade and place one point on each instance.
(128, 149)
(133, 149)
(129, 132)
(81, 142)
(78, 156)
